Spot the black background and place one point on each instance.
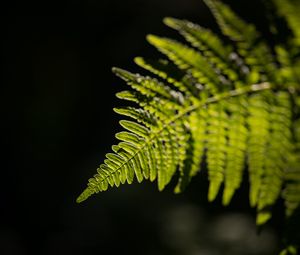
(57, 124)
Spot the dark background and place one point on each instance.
(57, 124)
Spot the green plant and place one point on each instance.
(233, 104)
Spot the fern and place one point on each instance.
(233, 107)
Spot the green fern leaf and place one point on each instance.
(209, 105)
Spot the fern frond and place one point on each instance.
(148, 142)
(229, 107)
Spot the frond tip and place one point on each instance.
(84, 195)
